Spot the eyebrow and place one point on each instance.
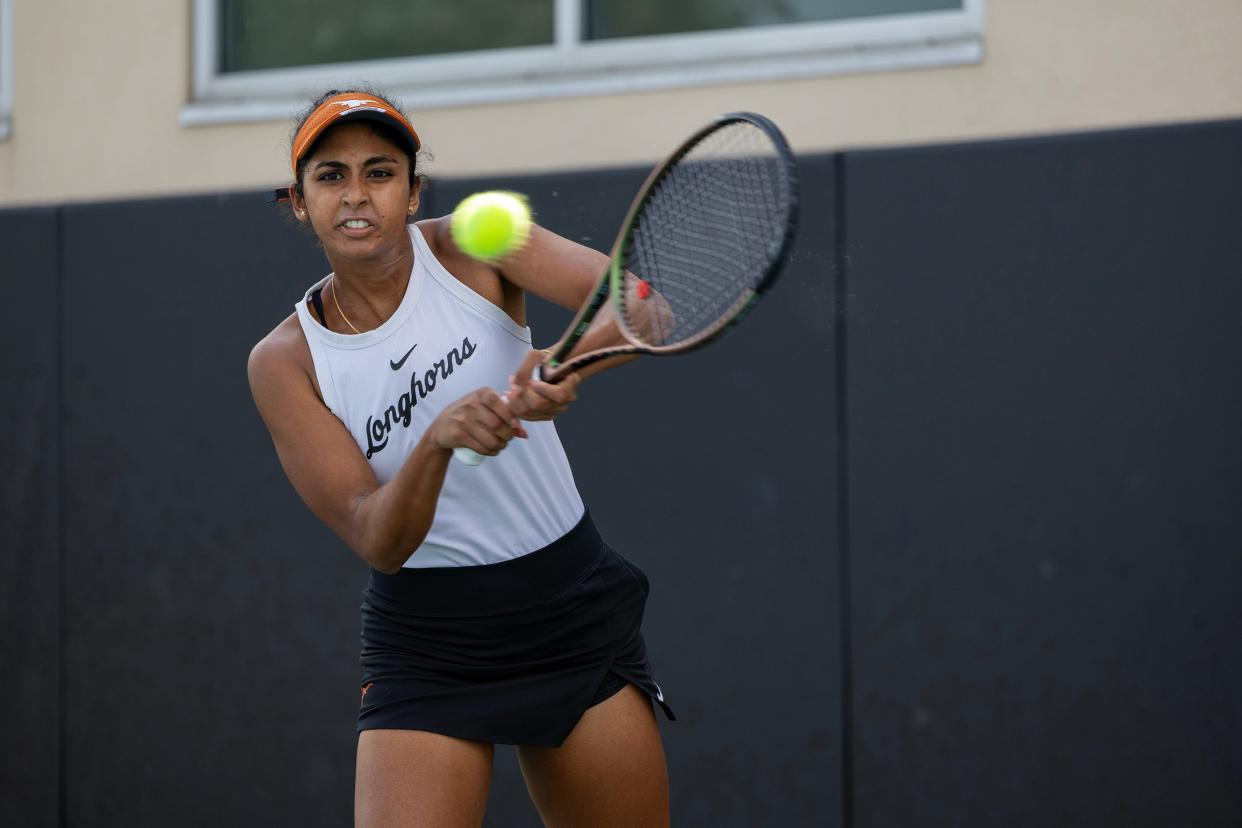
(375, 159)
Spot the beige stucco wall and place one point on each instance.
(98, 87)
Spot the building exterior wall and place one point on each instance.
(98, 88)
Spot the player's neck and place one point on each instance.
(370, 290)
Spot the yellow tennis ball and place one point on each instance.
(491, 225)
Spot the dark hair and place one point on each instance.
(388, 133)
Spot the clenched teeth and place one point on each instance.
(357, 224)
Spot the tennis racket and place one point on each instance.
(707, 234)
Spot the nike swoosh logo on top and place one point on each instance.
(396, 366)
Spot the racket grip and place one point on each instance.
(469, 457)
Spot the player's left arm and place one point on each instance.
(554, 268)
(559, 271)
(564, 273)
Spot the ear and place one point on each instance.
(298, 204)
(415, 190)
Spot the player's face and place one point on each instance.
(357, 194)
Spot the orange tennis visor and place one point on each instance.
(347, 105)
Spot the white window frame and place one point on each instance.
(6, 66)
(571, 66)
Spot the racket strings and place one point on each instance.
(707, 234)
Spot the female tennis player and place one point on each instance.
(495, 613)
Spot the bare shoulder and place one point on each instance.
(481, 277)
(550, 266)
(440, 239)
(436, 232)
(280, 358)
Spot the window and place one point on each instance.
(6, 66)
(637, 18)
(269, 34)
(257, 59)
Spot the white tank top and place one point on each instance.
(387, 386)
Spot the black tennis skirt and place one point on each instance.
(509, 653)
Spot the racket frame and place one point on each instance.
(612, 281)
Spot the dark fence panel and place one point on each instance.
(29, 517)
(1046, 479)
(213, 622)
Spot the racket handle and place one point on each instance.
(469, 457)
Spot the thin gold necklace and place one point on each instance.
(337, 302)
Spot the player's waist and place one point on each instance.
(487, 588)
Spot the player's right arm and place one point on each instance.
(382, 524)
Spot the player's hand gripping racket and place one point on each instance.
(706, 235)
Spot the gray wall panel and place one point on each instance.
(1045, 479)
(213, 621)
(29, 518)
